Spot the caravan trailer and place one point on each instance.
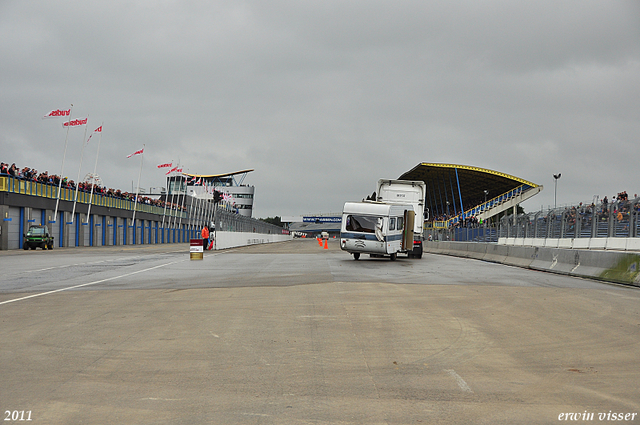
(376, 228)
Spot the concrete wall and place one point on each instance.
(610, 266)
(226, 240)
(616, 244)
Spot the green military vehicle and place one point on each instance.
(38, 236)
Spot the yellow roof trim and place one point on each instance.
(482, 170)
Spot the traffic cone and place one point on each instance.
(326, 245)
(319, 241)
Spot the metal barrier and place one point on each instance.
(226, 221)
(26, 187)
(612, 220)
(463, 234)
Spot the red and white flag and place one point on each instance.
(97, 130)
(58, 113)
(167, 165)
(75, 123)
(140, 152)
(174, 170)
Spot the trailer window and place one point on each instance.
(392, 223)
(362, 223)
(400, 223)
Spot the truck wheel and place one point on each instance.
(394, 256)
(25, 247)
(356, 255)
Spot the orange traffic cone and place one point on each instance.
(319, 241)
(326, 246)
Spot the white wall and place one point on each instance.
(233, 239)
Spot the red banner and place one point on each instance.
(140, 152)
(58, 113)
(76, 123)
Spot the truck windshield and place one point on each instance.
(362, 223)
(36, 231)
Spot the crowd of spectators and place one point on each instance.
(620, 207)
(30, 174)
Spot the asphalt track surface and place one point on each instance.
(292, 333)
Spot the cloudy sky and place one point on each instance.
(322, 98)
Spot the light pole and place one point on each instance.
(555, 195)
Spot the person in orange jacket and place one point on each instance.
(205, 237)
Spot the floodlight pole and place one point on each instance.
(555, 194)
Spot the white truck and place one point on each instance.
(376, 228)
(407, 192)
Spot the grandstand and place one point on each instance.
(457, 192)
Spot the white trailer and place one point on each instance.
(407, 192)
(376, 228)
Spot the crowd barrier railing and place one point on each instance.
(614, 225)
(12, 184)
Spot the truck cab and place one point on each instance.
(407, 192)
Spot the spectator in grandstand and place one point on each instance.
(4, 168)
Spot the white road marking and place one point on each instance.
(463, 385)
(90, 283)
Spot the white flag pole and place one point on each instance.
(64, 155)
(172, 192)
(95, 167)
(166, 201)
(190, 215)
(135, 204)
(209, 204)
(201, 207)
(198, 208)
(175, 218)
(75, 198)
(205, 204)
(184, 195)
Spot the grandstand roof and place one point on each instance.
(218, 175)
(442, 184)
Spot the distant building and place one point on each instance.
(238, 197)
(314, 225)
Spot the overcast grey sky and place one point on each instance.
(323, 98)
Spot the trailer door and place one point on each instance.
(407, 234)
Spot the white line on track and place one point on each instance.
(463, 385)
(91, 283)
